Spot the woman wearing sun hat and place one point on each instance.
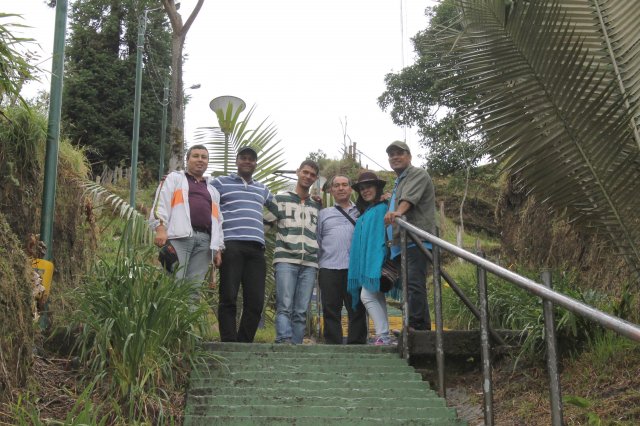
(368, 253)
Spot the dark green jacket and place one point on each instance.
(416, 187)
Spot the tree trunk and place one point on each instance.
(176, 126)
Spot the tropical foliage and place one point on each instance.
(511, 308)
(137, 331)
(552, 89)
(15, 68)
(222, 148)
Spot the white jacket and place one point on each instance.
(171, 209)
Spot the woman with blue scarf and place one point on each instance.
(368, 253)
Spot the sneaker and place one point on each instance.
(385, 341)
(380, 341)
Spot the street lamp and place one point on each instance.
(227, 109)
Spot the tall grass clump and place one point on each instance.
(137, 331)
(515, 309)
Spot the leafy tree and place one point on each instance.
(415, 96)
(100, 79)
(317, 156)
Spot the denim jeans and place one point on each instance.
(194, 256)
(417, 288)
(294, 286)
(242, 264)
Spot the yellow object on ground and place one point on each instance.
(45, 269)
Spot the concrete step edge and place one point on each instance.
(312, 421)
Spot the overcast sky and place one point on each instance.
(305, 65)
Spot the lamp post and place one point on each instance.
(227, 109)
(163, 135)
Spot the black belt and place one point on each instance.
(202, 229)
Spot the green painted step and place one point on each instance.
(305, 357)
(341, 392)
(311, 384)
(316, 401)
(311, 411)
(313, 421)
(269, 384)
(336, 374)
(277, 366)
(274, 347)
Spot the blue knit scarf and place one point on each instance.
(368, 252)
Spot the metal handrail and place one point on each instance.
(611, 322)
(544, 291)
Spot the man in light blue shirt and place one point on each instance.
(334, 234)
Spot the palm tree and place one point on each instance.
(223, 149)
(554, 88)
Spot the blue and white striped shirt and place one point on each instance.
(334, 234)
(241, 203)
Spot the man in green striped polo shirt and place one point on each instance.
(296, 254)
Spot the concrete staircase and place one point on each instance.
(268, 384)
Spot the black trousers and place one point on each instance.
(242, 263)
(333, 290)
(417, 288)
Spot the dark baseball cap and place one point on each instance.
(247, 149)
(399, 145)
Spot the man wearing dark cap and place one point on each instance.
(243, 262)
(414, 197)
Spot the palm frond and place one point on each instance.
(222, 150)
(137, 229)
(610, 32)
(550, 110)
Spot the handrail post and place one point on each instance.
(552, 357)
(437, 301)
(487, 382)
(405, 293)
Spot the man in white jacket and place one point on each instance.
(186, 214)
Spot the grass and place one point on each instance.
(514, 309)
(137, 332)
(599, 386)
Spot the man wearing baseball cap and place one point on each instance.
(413, 197)
(243, 263)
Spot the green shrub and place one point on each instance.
(515, 309)
(137, 331)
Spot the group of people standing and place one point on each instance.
(222, 220)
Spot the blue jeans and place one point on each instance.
(294, 286)
(194, 256)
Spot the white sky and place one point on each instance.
(305, 65)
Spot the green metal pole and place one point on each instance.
(163, 136)
(136, 112)
(53, 130)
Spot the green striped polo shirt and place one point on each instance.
(297, 221)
